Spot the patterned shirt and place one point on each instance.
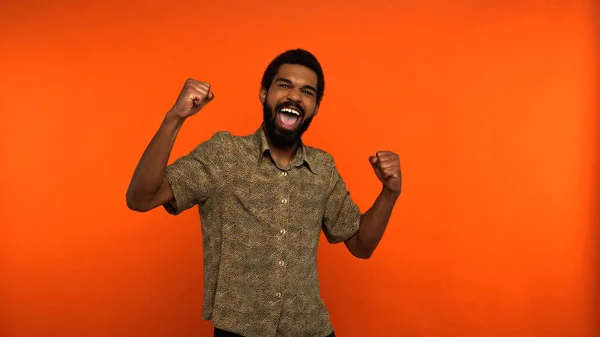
(261, 225)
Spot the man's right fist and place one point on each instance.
(193, 97)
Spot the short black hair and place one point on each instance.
(299, 57)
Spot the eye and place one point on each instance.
(284, 85)
(306, 92)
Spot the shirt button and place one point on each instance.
(282, 231)
(284, 201)
(281, 263)
(278, 295)
(284, 173)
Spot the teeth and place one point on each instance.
(291, 111)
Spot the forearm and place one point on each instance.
(149, 173)
(374, 222)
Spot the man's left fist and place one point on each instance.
(386, 165)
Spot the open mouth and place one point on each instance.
(289, 117)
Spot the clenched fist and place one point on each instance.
(193, 97)
(386, 165)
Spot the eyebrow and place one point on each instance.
(280, 79)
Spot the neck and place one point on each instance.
(283, 155)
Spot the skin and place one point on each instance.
(149, 187)
(293, 84)
(373, 222)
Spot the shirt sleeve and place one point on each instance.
(342, 216)
(193, 177)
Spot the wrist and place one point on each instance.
(172, 118)
(389, 194)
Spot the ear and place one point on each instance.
(262, 95)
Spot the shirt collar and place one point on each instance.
(302, 156)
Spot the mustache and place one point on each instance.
(289, 105)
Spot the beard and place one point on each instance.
(282, 138)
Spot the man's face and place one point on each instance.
(289, 104)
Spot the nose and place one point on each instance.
(294, 96)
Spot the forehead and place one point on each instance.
(298, 74)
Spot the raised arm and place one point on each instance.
(149, 187)
(373, 223)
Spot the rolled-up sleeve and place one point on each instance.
(341, 219)
(193, 177)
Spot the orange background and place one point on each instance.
(491, 105)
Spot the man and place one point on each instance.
(263, 200)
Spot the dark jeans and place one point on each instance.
(223, 333)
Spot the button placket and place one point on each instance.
(279, 263)
(281, 234)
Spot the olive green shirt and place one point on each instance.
(261, 225)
